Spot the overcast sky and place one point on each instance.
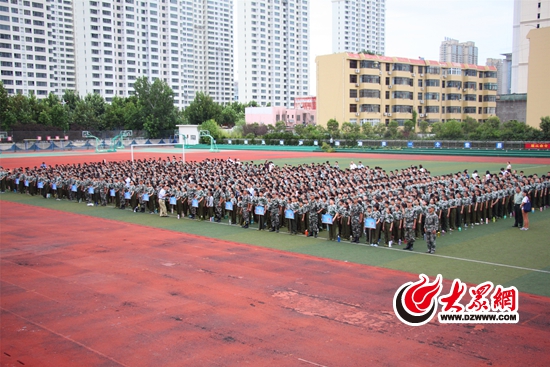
(416, 28)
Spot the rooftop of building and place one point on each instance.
(379, 58)
(512, 97)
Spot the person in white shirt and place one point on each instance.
(360, 165)
(162, 201)
(352, 166)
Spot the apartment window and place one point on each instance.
(353, 108)
(369, 93)
(353, 93)
(370, 108)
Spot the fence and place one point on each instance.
(19, 136)
(80, 144)
(384, 144)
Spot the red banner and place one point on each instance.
(542, 145)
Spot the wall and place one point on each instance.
(270, 115)
(512, 107)
(191, 132)
(538, 103)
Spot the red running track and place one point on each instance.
(77, 290)
(54, 158)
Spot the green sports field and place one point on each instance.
(495, 252)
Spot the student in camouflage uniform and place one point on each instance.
(345, 232)
(313, 209)
(451, 212)
(274, 212)
(332, 210)
(369, 232)
(263, 201)
(431, 224)
(377, 216)
(410, 225)
(103, 190)
(387, 226)
(218, 203)
(232, 213)
(398, 214)
(443, 205)
(246, 205)
(356, 219)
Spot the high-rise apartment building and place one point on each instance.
(358, 25)
(452, 50)
(528, 15)
(504, 72)
(188, 44)
(110, 43)
(274, 47)
(371, 89)
(36, 46)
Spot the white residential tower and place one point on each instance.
(274, 50)
(528, 14)
(188, 44)
(358, 25)
(36, 47)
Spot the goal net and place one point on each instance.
(168, 148)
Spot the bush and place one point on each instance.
(327, 148)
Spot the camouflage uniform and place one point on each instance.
(261, 201)
(355, 213)
(332, 209)
(313, 219)
(103, 193)
(274, 211)
(246, 214)
(431, 225)
(410, 216)
(218, 204)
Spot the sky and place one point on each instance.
(416, 28)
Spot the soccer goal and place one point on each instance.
(165, 145)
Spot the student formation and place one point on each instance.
(358, 203)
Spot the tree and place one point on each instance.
(424, 125)
(450, 130)
(408, 129)
(332, 127)
(436, 127)
(114, 114)
(280, 127)
(379, 130)
(7, 118)
(19, 104)
(414, 119)
(545, 127)
(85, 117)
(202, 108)
(488, 130)
(228, 116)
(96, 103)
(156, 104)
(133, 120)
(469, 126)
(393, 126)
(367, 130)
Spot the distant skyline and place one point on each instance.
(417, 27)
